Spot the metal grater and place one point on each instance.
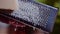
(35, 14)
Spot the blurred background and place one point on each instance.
(54, 3)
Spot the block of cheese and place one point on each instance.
(8, 4)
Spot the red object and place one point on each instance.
(14, 24)
(16, 27)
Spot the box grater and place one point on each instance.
(34, 14)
